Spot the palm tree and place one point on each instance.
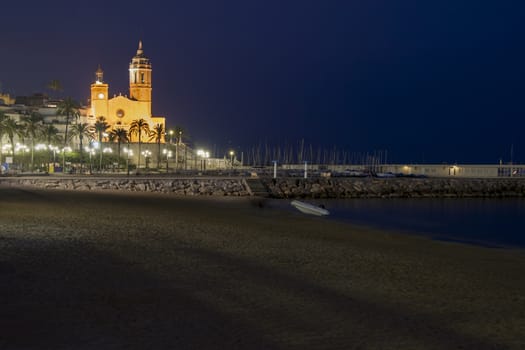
(51, 137)
(120, 135)
(82, 130)
(137, 127)
(11, 129)
(55, 85)
(157, 134)
(179, 130)
(33, 127)
(101, 126)
(69, 108)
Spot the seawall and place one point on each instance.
(177, 186)
(288, 187)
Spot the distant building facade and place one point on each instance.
(35, 100)
(6, 99)
(120, 111)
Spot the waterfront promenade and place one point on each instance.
(120, 270)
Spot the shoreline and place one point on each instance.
(403, 215)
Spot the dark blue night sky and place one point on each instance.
(429, 81)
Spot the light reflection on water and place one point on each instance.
(474, 220)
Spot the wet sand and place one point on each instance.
(83, 270)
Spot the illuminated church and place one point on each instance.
(120, 111)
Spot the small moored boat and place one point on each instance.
(308, 208)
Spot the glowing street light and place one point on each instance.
(204, 156)
(91, 151)
(129, 153)
(54, 149)
(19, 147)
(232, 153)
(146, 155)
(168, 154)
(177, 149)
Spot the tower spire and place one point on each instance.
(139, 50)
(140, 76)
(100, 75)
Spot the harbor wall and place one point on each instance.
(289, 187)
(395, 187)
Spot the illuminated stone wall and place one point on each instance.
(184, 187)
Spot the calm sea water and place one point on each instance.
(490, 222)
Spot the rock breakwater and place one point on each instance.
(395, 188)
(290, 187)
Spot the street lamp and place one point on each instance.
(107, 150)
(129, 153)
(168, 154)
(21, 149)
(204, 157)
(146, 155)
(95, 146)
(54, 149)
(177, 149)
(64, 150)
(171, 136)
(232, 153)
(91, 151)
(104, 135)
(39, 147)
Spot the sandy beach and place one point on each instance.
(84, 270)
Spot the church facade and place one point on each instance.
(120, 111)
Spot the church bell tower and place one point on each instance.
(99, 95)
(140, 77)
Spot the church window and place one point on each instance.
(142, 78)
(120, 113)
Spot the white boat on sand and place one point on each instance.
(308, 208)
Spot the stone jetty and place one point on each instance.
(395, 187)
